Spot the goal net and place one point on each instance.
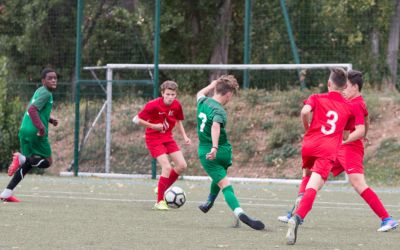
(263, 120)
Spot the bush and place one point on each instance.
(10, 117)
(373, 105)
(291, 102)
(279, 155)
(384, 166)
(256, 96)
(284, 132)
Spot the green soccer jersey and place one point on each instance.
(43, 101)
(209, 111)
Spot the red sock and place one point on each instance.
(162, 186)
(375, 203)
(173, 176)
(306, 202)
(303, 184)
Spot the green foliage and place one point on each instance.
(290, 103)
(268, 125)
(256, 96)
(10, 115)
(37, 33)
(384, 165)
(278, 156)
(287, 131)
(373, 105)
(248, 148)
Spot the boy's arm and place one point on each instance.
(215, 132)
(34, 115)
(206, 90)
(346, 134)
(183, 133)
(358, 133)
(138, 121)
(305, 116)
(366, 126)
(53, 121)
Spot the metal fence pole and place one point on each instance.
(108, 119)
(79, 14)
(156, 55)
(246, 46)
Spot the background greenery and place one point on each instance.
(35, 34)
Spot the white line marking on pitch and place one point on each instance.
(197, 202)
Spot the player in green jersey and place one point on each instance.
(215, 151)
(33, 135)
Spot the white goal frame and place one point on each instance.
(110, 68)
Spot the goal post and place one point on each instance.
(347, 66)
(110, 69)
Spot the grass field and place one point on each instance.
(94, 213)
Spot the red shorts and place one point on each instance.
(157, 147)
(319, 165)
(349, 159)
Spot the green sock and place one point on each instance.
(230, 197)
(214, 191)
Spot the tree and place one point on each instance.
(221, 47)
(393, 45)
(10, 115)
(36, 34)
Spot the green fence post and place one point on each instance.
(79, 14)
(156, 52)
(246, 46)
(292, 42)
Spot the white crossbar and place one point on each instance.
(222, 66)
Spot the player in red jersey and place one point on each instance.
(331, 114)
(350, 158)
(159, 116)
(351, 154)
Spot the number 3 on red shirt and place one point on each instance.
(332, 119)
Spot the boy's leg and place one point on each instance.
(17, 161)
(163, 180)
(214, 191)
(19, 174)
(300, 193)
(369, 196)
(315, 183)
(234, 205)
(218, 175)
(372, 199)
(33, 161)
(180, 167)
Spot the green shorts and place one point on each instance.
(35, 145)
(216, 168)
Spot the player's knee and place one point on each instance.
(166, 168)
(181, 166)
(40, 162)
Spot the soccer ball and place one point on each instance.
(175, 197)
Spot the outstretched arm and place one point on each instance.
(183, 133)
(206, 90)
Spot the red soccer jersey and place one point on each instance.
(156, 111)
(361, 111)
(331, 114)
